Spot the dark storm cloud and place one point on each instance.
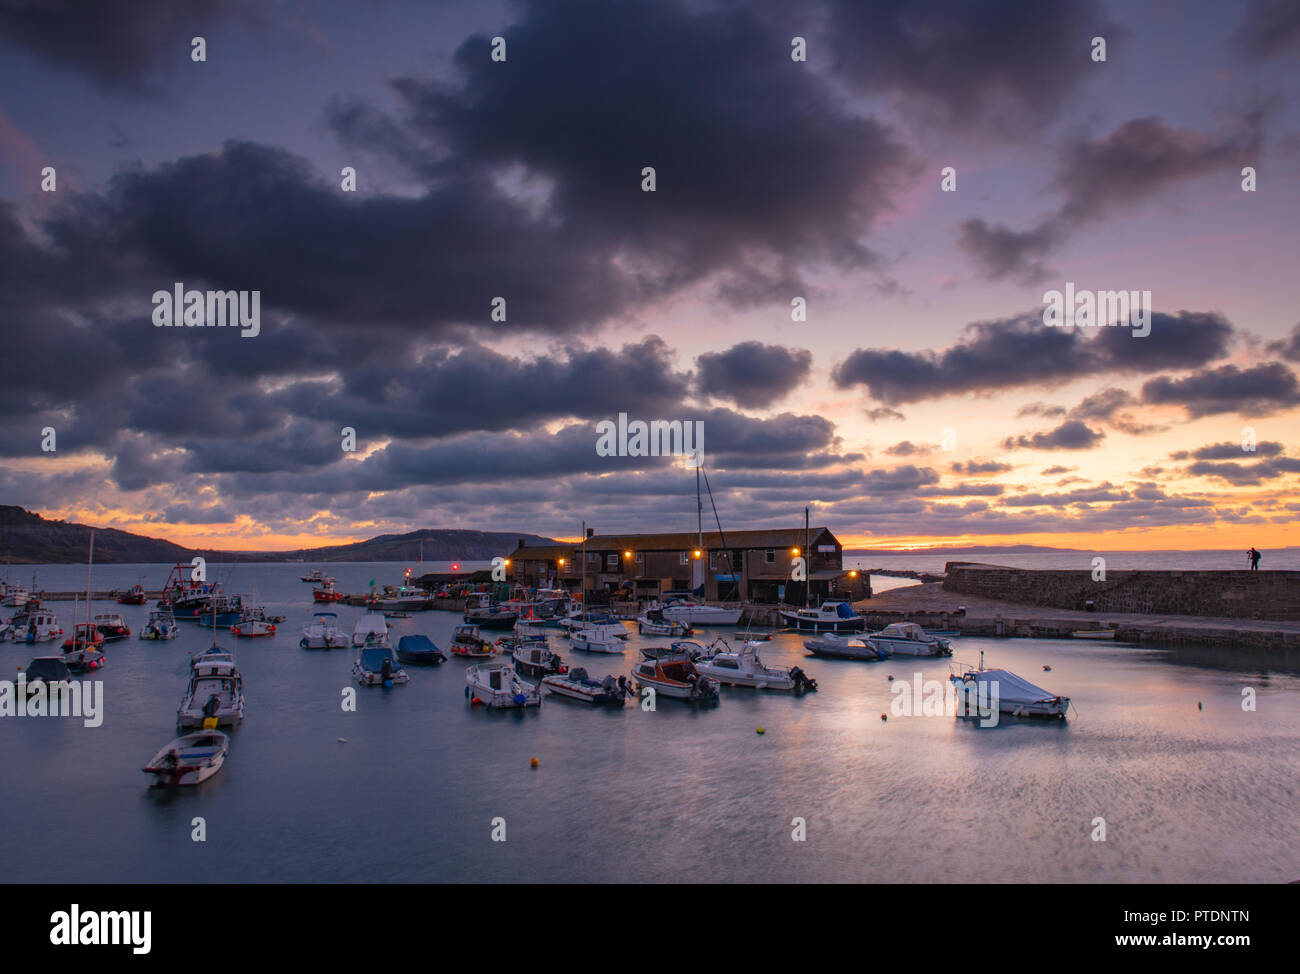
(1136, 161)
(124, 44)
(751, 374)
(1009, 352)
(1270, 27)
(968, 64)
(1070, 435)
(1259, 390)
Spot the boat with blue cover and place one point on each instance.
(378, 666)
(419, 650)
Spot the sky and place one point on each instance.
(921, 400)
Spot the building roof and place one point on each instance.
(542, 552)
(688, 540)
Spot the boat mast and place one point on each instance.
(583, 590)
(89, 561)
(807, 561)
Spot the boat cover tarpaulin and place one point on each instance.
(416, 644)
(1013, 689)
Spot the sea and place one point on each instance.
(1175, 766)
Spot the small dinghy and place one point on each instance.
(215, 696)
(745, 669)
(161, 625)
(419, 650)
(676, 677)
(466, 641)
(377, 666)
(371, 630)
(189, 760)
(534, 661)
(601, 638)
(839, 647)
(577, 685)
(323, 632)
(909, 639)
(652, 622)
(497, 686)
(1012, 694)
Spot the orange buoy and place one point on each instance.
(534, 762)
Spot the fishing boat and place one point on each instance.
(827, 617)
(652, 622)
(112, 626)
(482, 612)
(468, 642)
(314, 575)
(841, 647)
(41, 626)
(599, 638)
(253, 623)
(1011, 694)
(377, 665)
(909, 639)
(322, 632)
(405, 596)
(1093, 634)
(47, 671)
(161, 625)
(676, 677)
(189, 760)
(577, 685)
(370, 630)
(497, 686)
(534, 661)
(693, 612)
(211, 695)
(83, 650)
(136, 596)
(419, 650)
(326, 593)
(745, 669)
(15, 597)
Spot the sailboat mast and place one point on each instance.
(699, 511)
(89, 561)
(807, 560)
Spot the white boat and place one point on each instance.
(370, 630)
(190, 759)
(15, 596)
(577, 685)
(745, 669)
(497, 686)
(1013, 695)
(688, 648)
(313, 576)
(827, 617)
(212, 695)
(909, 639)
(323, 632)
(378, 666)
(677, 677)
(42, 626)
(253, 623)
(401, 597)
(599, 638)
(693, 613)
(653, 622)
(161, 625)
(214, 661)
(846, 647)
(534, 661)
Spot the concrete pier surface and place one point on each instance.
(934, 607)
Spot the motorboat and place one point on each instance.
(577, 685)
(846, 647)
(534, 661)
(83, 650)
(688, 648)
(326, 593)
(652, 622)
(189, 760)
(419, 650)
(745, 669)
(497, 686)
(253, 623)
(584, 619)
(827, 617)
(112, 626)
(41, 626)
(909, 639)
(676, 677)
(371, 630)
(47, 671)
(161, 625)
(599, 638)
(693, 612)
(212, 696)
(314, 576)
(136, 596)
(1011, 694)
(214, 661)
(377, 665)
(323, 632)
(401, 597)
(482, 612)
(468, 642)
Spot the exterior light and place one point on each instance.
(561, 562)
(697, 553)
(627, 554)
(853, 574)
(507, 561)
(795, 552)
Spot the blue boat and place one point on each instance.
(377, 666)
(419, 650)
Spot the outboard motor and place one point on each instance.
(212, 706)
(802, 681)
(386, 670)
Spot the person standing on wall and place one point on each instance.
(1254, 559)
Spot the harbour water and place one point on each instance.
(1192, 787)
